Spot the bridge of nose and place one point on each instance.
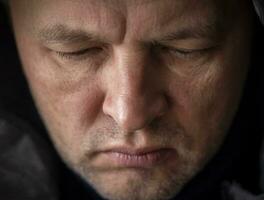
(133, 96)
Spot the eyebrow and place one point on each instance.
(64, 34)
(210, 30)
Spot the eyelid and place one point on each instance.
(79, 53)
(189, 54)
(186, 50)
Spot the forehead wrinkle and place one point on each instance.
(157, 20)
(102, 25)
(62, 33)
(149, 16)
(168, 16)
(212, 22)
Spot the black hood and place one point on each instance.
(259, 8)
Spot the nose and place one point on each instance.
(134, 95)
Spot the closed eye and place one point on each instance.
(186, 53)
(80, 53)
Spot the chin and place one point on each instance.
(138, 184)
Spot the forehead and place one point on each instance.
(123, 17)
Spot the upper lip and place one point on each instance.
(136, 151)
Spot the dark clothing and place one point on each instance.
(31, 169)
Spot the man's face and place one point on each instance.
(137, 95)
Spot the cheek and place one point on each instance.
(67, 116)
(68, 102)
(63, 91)
(205, 104)
(75, 109)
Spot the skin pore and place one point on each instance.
(140, 74)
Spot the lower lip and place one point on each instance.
(146, 160)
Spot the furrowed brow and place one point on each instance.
(64, 34)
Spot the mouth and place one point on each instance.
(138, 158)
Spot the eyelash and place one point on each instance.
(79, 54)
(185, 53)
